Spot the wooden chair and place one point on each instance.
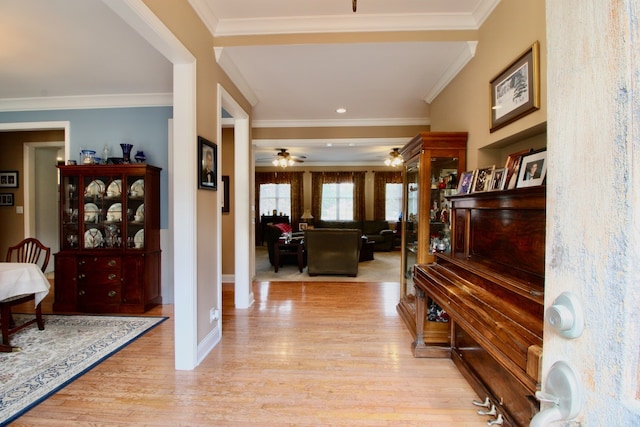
(33, 251)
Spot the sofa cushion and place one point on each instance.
(374, 227)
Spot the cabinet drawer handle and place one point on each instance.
(81, 293)
(112, 263)
(111, 276)
(112, 293)
(81, 276)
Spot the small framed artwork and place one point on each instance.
(482, 179)
(207, 163)
(513, 168)
(515, 92)
(466, 180)
(497, 179)
(8, 179)
(533, 169)
(6, 199)
(303, 226)
(225, 194)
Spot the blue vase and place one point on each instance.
(140, 157)
(126, 152)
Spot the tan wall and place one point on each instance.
(11, 159)
(228, 223)
(185, 24)
(464, 105)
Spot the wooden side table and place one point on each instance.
(293, 250)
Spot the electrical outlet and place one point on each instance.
(213, 315)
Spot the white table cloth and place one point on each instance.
(20, 278)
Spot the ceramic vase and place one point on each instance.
(126, 152)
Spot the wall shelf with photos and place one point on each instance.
(525, 168)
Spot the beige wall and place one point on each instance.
(185, 24)
(464, 105)
(228, 223)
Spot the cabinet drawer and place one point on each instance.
(95, 278)
(87, 264)
(99, 294)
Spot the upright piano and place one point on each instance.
(491, 284)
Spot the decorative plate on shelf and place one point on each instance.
(95, 188)
(140, 213)
(115, 188)
(114, 213)
(91, 212)
(137, 188)
(92, 238)
(138, 239)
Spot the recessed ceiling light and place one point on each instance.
(341, 110)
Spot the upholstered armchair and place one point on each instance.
(332, 251)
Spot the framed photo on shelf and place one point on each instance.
(513, 168)
(8, 179)
(466, 180)
(515, 92)
(498, 179)
(303, 226)
(482, 179)
(533, 169)
(6, 199)
(207, 163)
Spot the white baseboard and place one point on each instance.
(208, 343)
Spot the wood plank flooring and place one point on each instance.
(305, 354)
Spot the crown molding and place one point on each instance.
(84, 102)
(229, 67)
(457, 66)
(418, 121)
(344, 23)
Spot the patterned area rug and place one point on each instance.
(68, 347)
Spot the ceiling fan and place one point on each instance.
(284, 158)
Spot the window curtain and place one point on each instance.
(380, 180)
(295, 179)
(319, 178)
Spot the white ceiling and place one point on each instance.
(79, 53)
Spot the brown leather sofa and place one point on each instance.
(332, 251)
(376, 231)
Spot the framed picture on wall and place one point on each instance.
(207, 163)
(515, 92)
(225, 194)
(8, 179)
(6, 199)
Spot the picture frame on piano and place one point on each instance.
(465, 183)
(533, 169)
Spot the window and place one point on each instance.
(337, 202)
(275, 196)
(393, 201)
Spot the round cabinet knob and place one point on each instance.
(81, 293)
(112, 263)
(81, 262)
(112, 294)
(565, 315)
(81, 276)
(111, 276)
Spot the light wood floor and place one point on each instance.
(306, 354)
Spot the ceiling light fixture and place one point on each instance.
(395, 158)
(341, 110)
(282, 162)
